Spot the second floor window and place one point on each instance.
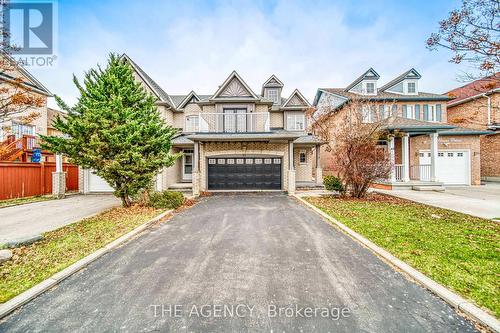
(370, 88)
(19, 130)
(412, 88)
(192, 124)
(295, 122)
(272, 94)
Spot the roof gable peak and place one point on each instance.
(234, 86)
(296, 100)
(409, 74)
(370, 74)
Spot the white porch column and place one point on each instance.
(392, 158)
(406, 157)
(319, 170)
(434, 155)
(195, 182)
(291, 170)
(59, 179)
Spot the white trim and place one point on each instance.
(299, 94)
(234, 74)
(302, 151)
(187, 99)
(273, 77)
(187, 176)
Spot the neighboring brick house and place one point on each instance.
(233, 139)
(16, 132)
(429, 152)
(477, 105)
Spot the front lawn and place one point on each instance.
(60, 248)
(22, 201)
(457, 250)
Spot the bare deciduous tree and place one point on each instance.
(352, 135)
(472, 33)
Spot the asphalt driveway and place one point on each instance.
(23, 221)
(253, 254)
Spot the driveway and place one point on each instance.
(482, 201)
(253, 254)
(22, 221)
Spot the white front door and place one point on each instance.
(453, 166)
(187, 164)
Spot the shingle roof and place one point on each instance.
(181, 140)
(399, 79)
(400, 123)
(385, 96)
(465, 131)
(308, 139)
(474, 88)
(31, 81)
(246, 136)
(162, 95)
(361, 77)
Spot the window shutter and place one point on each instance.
(394, 110)
(438, 112)
(417, 111)
(405, 111)
(381, 111)
(426, 112)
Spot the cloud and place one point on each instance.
(307, 44)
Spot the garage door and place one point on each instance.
(97, 184)
(233, 173)
(452, 166)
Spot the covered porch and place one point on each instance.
(417, 172)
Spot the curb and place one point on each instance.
(47, 284)
(447, 295)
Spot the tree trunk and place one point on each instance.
(125, 200)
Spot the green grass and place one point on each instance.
(62, 247)
(22, 201)
(457, 250)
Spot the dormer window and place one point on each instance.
(273, 95)
(412, 88)
(370, 88)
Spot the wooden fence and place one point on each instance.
(29, 179)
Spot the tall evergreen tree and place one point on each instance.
(114, 129)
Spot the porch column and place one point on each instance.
(319, 170)
(434, 154)
(406, 157)
(291, 170)
(392, 158)
(196, 171)
(59, 179)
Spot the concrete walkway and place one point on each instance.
(481, 201)
(23, 221)
(239, 263)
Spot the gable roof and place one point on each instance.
(475, 88)
(234, 77)
(186, 99)
(369, 74)
(384, 96)
(272, 82)
(296, 100)
(29, 80)
(409, 74)
(155, 87)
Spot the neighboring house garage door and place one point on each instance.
(233, 173)
(453, 166)
(97, 184)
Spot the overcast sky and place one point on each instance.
(185, 45)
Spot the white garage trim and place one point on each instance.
(93, 183)
(440, 171)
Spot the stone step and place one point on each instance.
(437, 188)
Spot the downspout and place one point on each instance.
(489, 109)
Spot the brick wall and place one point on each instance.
(471, 142)
(474, 114)
(303, 172)
(490, 155)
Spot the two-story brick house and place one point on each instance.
(424, 149)
(234, 138)
(477, 105)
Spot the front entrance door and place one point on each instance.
(187, 164)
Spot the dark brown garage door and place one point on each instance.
(233, 173)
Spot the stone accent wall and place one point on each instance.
(208, 149)
(490, 156)
(470, 142)
(81, 179)
(174, 173)
(303, 172)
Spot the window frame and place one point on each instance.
(365, 87)
(274, 90)
(294, 116)
(414, 92)
(195, 128)
(19, 132)
(302, 153)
